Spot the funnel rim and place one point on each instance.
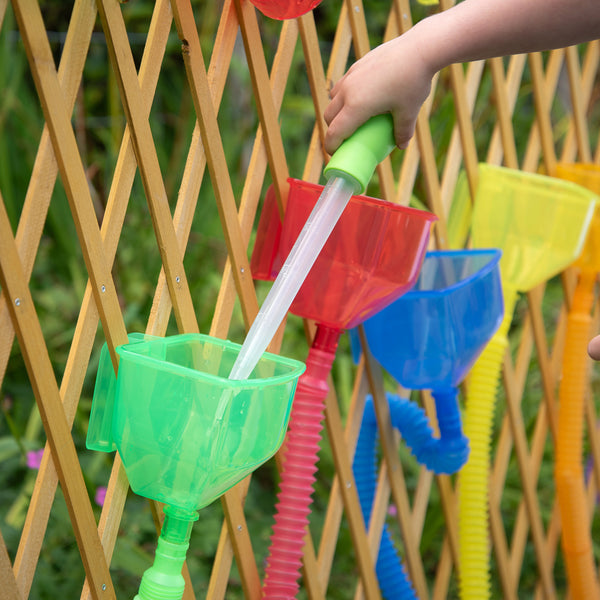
(578, 192)
(296, 367)
(495, 254)
(363, 199)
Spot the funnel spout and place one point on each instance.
(163, 580)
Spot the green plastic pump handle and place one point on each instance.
(358, 156)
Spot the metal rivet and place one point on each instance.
(103, 289)
(103, 587)
(177, 279)
(17, 301)
(239, 527)
(242, 270)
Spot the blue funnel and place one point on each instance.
(430, 337)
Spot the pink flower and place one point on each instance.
(100, 495)
(34, 458)
(392, 510)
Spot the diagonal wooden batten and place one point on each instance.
(194, 173)
(267, 112)
(578, 105)
(590, 65)
(71, 168)
(133, 104)
(257, 167)
(364, 557)
(215, 155)
(45, 169)
(335, 507)
(45, 388)
(7, 577)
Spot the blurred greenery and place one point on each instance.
(59, 278)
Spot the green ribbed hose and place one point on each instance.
(570, 484)
(473, 503)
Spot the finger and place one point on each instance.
(403, 132)
(594, 348)
(340, 128)
(332, 109)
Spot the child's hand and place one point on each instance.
(594, 348)
(394, 77)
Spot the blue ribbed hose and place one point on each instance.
(445, 454)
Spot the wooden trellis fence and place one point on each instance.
(490, 97)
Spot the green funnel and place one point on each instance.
(185, 432)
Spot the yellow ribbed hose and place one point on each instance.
(570, 484)
(473, 511)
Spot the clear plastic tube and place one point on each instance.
(312, 238)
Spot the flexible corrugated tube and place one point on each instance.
(570, 483)
(444, 454)
(300, 456)
(473, 497)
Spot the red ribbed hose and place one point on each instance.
(300, 457)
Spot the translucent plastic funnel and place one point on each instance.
(285, 9)
(164, 419)
(324, 214)
(430, 337)
(538, 222)
(372, 257)
(587, 176)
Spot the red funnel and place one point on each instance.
(371, 258)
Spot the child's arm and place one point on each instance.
(396, 77)
(594, 348)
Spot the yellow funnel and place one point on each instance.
(540, 224)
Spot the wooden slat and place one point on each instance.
(7, 577)
(41, 376)
(71, 169)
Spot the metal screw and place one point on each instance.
(177, 279)
(103, 587)
(356, 9)
(103, 289)
(348, 485)
(17, 301)
(239, 527)
(241, 269)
